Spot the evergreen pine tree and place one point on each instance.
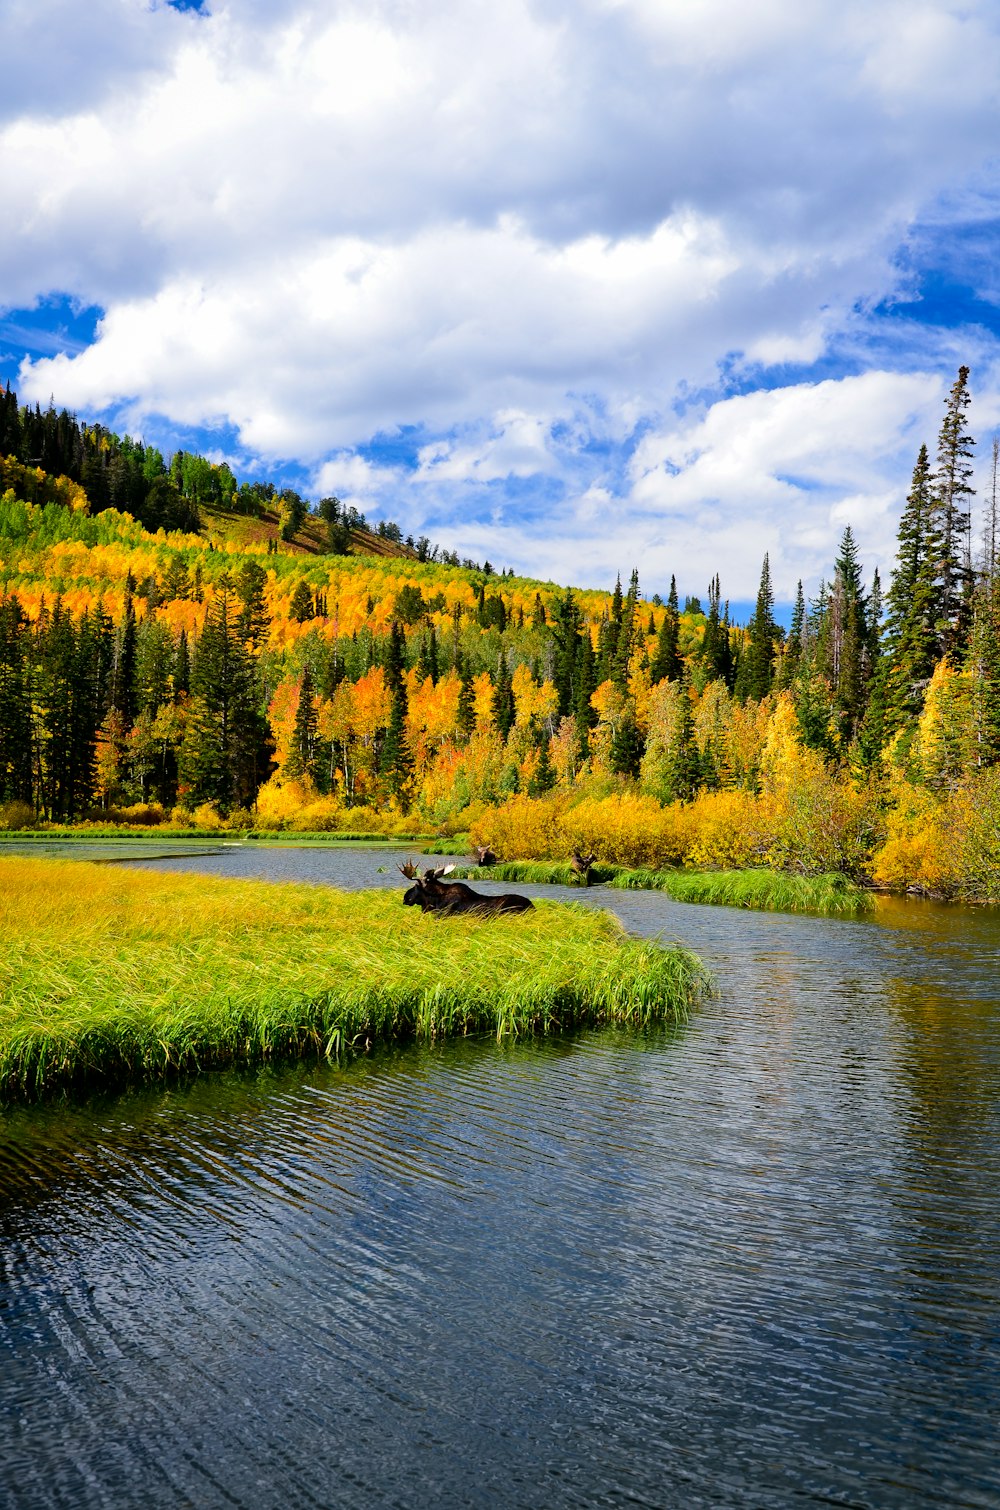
(726, 658)
(984, 664)
(544, 777)
(427, 664)
(466, 717)
(397, 759)
(302, 759)
(711, 641)
(301, 608)
(792, 654)
(626, 634)
(585, 714)
(683, 763)
(847, 643)
(394, 658)
(666, 663)
(617, 607)
(177, 580)
(627, 745)
(951, 519)
(154, 654)
(566, 626)
(15, 704)
(254, 620)
(503, 698)
(913, 603)
(182, 667)
(224, 751)
(123, 674)
(760, 650)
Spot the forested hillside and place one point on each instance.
(155, 670)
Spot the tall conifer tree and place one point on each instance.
(223, 755)
(913, 608)
(15, 704)
(952, 542)
(666, 663)
(760, 650)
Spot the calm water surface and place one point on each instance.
(754, 1262)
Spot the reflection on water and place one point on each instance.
(752, 1262)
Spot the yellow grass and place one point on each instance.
(107, 973)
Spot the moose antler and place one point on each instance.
(409, 870)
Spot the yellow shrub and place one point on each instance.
(462, 821)
(916, 861)
(947, 843)
(279, 802)
(621, 829)
(631, 830)
(141, 814)
(207, 817)
(16, 815)
(729, 831)
(523, 828)
(978, 804)
(323, 815)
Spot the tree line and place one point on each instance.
(117, 472)
(545, 687)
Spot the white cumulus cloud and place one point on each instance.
(527, 233)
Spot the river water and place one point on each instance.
(751, 1262)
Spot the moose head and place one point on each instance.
(426, 890)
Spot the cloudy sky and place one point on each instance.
(569, 286)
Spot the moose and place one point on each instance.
(431, 894)
(580, 865)
(485, 855)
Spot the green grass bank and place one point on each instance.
(831, 895)
(109, 975)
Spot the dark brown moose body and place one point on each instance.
(431, 894)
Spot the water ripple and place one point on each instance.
(750, 1262)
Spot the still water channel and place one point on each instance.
(751, 1262)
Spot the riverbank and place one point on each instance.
(830, 895)
(110, 976)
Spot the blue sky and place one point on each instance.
(669, 283)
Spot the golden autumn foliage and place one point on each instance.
(927, 819)
(530, 699)
(803, 818)
(36, 486)
(626, 829)
(945, 843)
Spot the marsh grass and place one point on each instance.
(84, 833)
(540, 872)
(453, 844)
(832, 895)
(109, 975)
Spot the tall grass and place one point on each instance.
(450, 844)
(109, 974)
(833, 895)
(82, 833)
(766, 890)
(541, 872)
